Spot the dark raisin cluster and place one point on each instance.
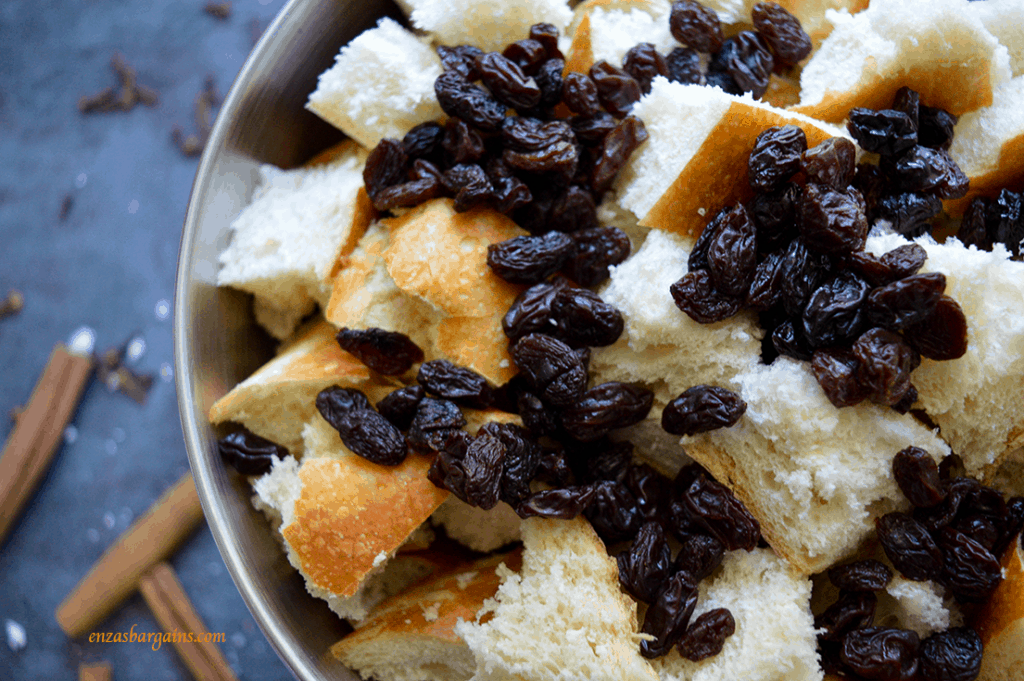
(743, 63)
(505, 147)
(955, 536)
(795, 255)
(990, 221)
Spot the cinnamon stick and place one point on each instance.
(38, 431)
(151, 539)
(98, 671)
(175, 613)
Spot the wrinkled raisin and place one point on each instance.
(334, 402)
(942, 335)
(643, 62)
(909, 213)
(951, 655)
(668, 615)
(617, 90)
(702, 408)
(861, 575)
(604, 408)
(460, 59)
(547, 36)
(747, 60)
(538, 418)
(885, 132)
(459, 97)
(424, 140)
(531, 310)
(646, 565)
(248, 453)
(650, 488)
(385, 166)
(909, 102)
(935, 128)
(529, 259)
(699, 555)
(833, 221)
(837, 371)
(909, 546)
(706, 635)
(471, 468)
(898, 263)
(696, 26)
(613, 512)
(775, 215)
(563, 503)
(712, 507)
(580, 94)
(831, 163)
(852, 610)
(906, 301)
(696, 295)
(549, 79)
(782, 31)
(835, 311)
(619, 145)
(917, 476)
(527, 54)
(789, 340)
(881, 653)
(683, 66)
(551, 368)
(732, 253)
(970, 570)
(973, 230)
(469, 184)
(766, 287)
(885, 361)
(584, 319)
(776, 157)
(400, 406)
(372, 437)
(803, 271)
(461, 143)
(932, 171)
(593, 129)
(458, 384)
(434, 421)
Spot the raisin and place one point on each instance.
(782, 31)
(951, 655)
(861, 575)
(917, 476)
(551, 368)
(872, 183)
(610, 461)
(461, 143)
(459, 97)
(852, 610)
(803, 271)
(683, 66)
(461, 59)
(959, 491)
(540, 147)
(775, 215)
(788, 340)
(334, 402)
(529, 259)
(573, 210)
(549, 79)
(408, 194)
(702, 408)
(510, 193)
(942, 335)
(909, 547)
(385, 166)
(885, 361)
(531, 310)
(885, 132)
(563, 503)
(711, 506)
(471, 469)
(650, 488)
(553, 468)
(579, 93)
(833, 221)
(668, 615)
(647, 564)
(606, 407)
(973, 230)
(698, 257)
(399, 407)
(372, 437)
(909, 102)
(613, 512)
(699, 555)
(469, 184)
(834, 312)
(932, 171)
(766, 288)
(981, 528)
(881, 653)
(696, 295)
(696, 26)
(905, 302)
(434, 421)
(248, 453)
(935, 128)
(970, 570)
(593, 129)
(1005, 220)
(723, 81)
(526, 54)
(458, 384)
(619, 145)
(732, 253)
(706, 635)
(643, 62)
(898, 263)
(1012, 526)
(547, 36)
(584, 319)
(837, 371)
(747, 60)
(617, 90)
(831, 163)
(776, 157)
(424, 140)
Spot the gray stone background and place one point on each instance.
(108, 264)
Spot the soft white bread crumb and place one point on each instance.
(475, 528)
(569, 585)
(285, 242)
(1009, 477)
(487, 24)
(921, 607)
(1005, 20)
(813, 475)
(279, 397)
(695, 158)
(774, 638)
(279, 489)
(940, 48)
(607, 29)
(1001, 623)
(381, 85)
(976, 399)
(411, 636)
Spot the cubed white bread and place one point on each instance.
(365, 296)
(279, 397)
(487, 24)
(381, 85)
(607, 29)
(440, 256)
(988, 144)
(940, 48)
(343, 518)
(694, 161)
(814, 476)
(475, 528)
(411, 636)
(1005, 20)
(922, 607)
(774, 638)
(569, 586)
(977, 400)
(1001, 623)
(284, 244)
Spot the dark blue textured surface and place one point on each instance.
(108, 265)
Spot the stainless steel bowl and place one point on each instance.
(216, 341)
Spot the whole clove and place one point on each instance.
(203, 115)
(125, 97)
(12, 304)
(218, 10)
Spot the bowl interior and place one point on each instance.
(216, 341)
